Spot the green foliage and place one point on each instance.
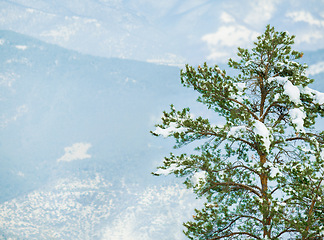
(262, 171)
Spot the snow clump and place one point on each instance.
(297, 117)
(173, 128)
(198, 177)
(261, 130)
(173, 167)
(290, 89)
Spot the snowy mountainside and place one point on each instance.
(59, 212)
(76, 152)
(52, 98)
(93, 208)
(107, 28)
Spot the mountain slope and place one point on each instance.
(93, 208)
(52, 98)
(76, 152)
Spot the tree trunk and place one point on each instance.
(265, 205)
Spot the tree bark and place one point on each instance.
(265, 204)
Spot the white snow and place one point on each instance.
(173, 167)
(30, 10)
(62, 33)
(77, 151)
(240, 87)
(322, 153)
(198, 177)
(273, 169)
(290, 89)
(292, 92)
(276, 97)
(297, 117)
(21, 47)
(169, 59)
(65, 203)
(267, 164)
(219, 71)
(157, 213)
(318, 97)
(2, 41)
(168, 131)
(7, 79)
(221, 174)
(234, 131)
(261, 130)
(274, 172)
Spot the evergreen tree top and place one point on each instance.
(262, 171)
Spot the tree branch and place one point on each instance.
(235, 233)
(246, 108)
(234, 220)
(247, 142)
(273, 191)
(238, 185)
(243, 166)
(284, 231)
(311, 209)
(267, 111)
(281, 117)
(230, 99)
(291, 139)
(247, 216)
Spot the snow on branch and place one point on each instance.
(290, 89)
(166, 132)
(297, 116)
(318, 97)
(261, 130)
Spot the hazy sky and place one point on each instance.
(169, 31)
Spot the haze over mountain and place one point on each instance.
(76, 152)
(172, 31)
(75, 142)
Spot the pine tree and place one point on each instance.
(261, 172)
